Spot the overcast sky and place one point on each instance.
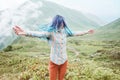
(107, 10)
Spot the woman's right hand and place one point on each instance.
(19, 31)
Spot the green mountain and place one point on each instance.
(42, 11)
(95, 18)
(110, 31)
(33, 13)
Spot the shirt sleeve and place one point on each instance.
(38, 34)
(79, 33)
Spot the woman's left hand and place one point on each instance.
(91, 31)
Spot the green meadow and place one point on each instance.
(28, 59)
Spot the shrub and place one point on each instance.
(9, 48)
(103, 74)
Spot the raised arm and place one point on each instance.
(79, 33)
(21, 32)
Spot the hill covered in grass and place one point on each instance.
(110, 31)
(28, 58)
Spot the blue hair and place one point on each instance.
(57, 22)
(55, 25)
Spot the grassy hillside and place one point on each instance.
(28, 59)
(108, 32)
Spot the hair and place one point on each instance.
(55, 25)
(57, 22)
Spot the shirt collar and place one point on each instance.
(59, 31)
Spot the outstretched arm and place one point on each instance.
(78, 33)
(21, 32)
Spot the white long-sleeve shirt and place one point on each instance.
(58, 41)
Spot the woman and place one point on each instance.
(56, 34)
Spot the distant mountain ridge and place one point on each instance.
(113, 25)
(35, 12)
(74, 19)
(110, 31)
(32, 13)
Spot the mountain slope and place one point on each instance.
(35, 12)
(95, 19)
(47, 10)
(110, 31)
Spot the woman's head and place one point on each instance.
(58, 22)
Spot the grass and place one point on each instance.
(88, 60)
